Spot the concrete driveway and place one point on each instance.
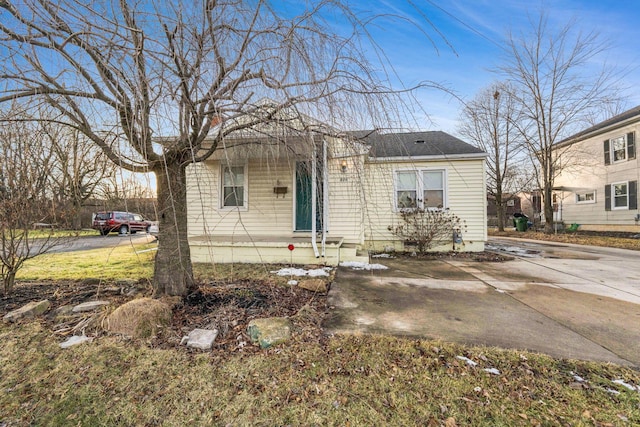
(565, 300)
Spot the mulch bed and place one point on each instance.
(485, 256)
(223, 306)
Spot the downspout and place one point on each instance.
(314, 193)
(325, 195)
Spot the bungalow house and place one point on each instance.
(597, 186)
(278, 195)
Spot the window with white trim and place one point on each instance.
(620, 195)
(586, 197)
(406, 189)
(423, 188)
(433, 182)
(619, 148)
(233, 191)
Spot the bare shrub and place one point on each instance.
(427, 228)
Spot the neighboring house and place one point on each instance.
(598, 185)
(511, 205)
(330, 199)
(531, 205)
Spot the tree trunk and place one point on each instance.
(173, 274)
(500, 211)
(548, 210)
(500, 208)
(76, 221)
(9, 281)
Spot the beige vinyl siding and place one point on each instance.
(584, 170)
(265, 214)
(345, 199)
(465, 195)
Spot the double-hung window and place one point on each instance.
(621, 195)
(423, 188)
(619, 149)
(234, 192)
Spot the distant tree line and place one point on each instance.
(52, 176)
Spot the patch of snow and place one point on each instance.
(627, 385)
(363, 265)
(298, 272)
(318, 272)
(577, 377)
(292, 282)
(467, 360)
(612, 391)
(493, 371)
(500, 291)
(75, 340)
(381, 256)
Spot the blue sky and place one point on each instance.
(476, 30)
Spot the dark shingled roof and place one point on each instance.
(416, 144)
(629, 114)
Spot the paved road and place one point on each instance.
(566, 301)
(95, 242)
(601, 271)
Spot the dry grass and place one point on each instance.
(622, 241)
(139, 318)
(350, 380)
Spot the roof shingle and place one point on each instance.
(416, 144)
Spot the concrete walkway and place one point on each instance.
(568, 301)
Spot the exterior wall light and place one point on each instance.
(343, 166)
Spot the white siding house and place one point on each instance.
(255, 199)
(598, 184)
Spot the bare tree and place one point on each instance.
(79, 168)
(124, 72)
(25, 202)
(558, 90)
(488, 123)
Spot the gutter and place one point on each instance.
(470, 156)
(325, 196)
(314, 191)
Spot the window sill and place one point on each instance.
(233, 208)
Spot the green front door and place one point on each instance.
(303, 197)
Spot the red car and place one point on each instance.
(122, 222)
